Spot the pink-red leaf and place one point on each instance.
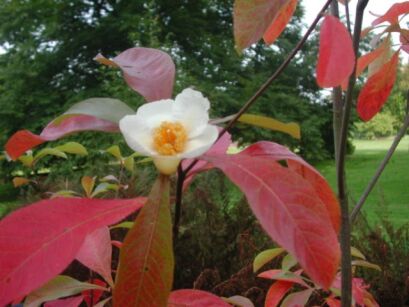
(195, 298)
(278, 152)
(276, 293)
(145, 274)
(364, 61)
(336, 57)
(252, 18)
(393, 13)
(92, 297)
(24, 140)
(220, 147)
(60, 286)
(377, 89)
(37, 242)
(65, 302)
(359, 291)
(96, 253)
(150, 72)
(289, 209)
(280, 22)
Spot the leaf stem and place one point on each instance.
(345, 236)
(381, 166)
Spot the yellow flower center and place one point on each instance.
(169, 138)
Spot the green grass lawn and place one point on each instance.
(390, 197)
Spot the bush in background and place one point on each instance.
(382, 125)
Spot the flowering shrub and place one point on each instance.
(293, 203)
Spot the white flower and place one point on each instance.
(169, 131)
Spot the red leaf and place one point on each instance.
(24, 140)
(66, 302)
(289, 210)
(393, 13)
(252, 18)
(336, 57)
(195, 298)
(278, 152)
(276, 293)
(364, 61)
(377, 89)
(150, 72)
(94, 294)
(37, 242)
(145, 273)
(359, 293)
(280, 22)
(220, 147)
(96, 253)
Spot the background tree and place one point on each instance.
(50, 45)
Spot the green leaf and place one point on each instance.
(48, 152)
(104, 108)
(104, 187)
(292, 129)
(103, 302)
(288, 262)
(146, 260)
(144, 160)
(115, 151)
(73, 148)
(366, 264)
(64, 193)
(129, 163)
(88, 184)
(297, 299)
(27, 160)
(20, 181)
(60, 286)
(128, 225)
(266, 256)
(357, 253)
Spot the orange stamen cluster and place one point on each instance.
(169, 138)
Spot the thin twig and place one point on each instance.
(381, 166)
(337, 102)
(178, 201)
(246, 106)
(345, 236)
(348, 16)
(273, 77)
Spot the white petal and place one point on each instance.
(154, 113)
(202, 143)
(137, 134)
(188, 94)
(191, 109)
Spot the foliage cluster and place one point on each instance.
(382, 125)
(293, 203)
(388, 246)
(47, 66)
